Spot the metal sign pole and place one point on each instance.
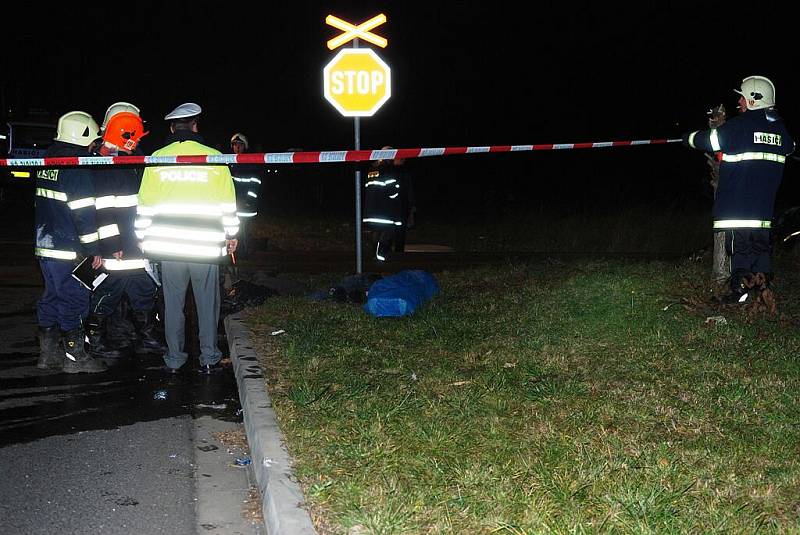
(357, 127)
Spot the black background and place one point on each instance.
(464, 73)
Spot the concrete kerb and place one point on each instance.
(282, 499)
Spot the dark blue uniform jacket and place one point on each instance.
(754, 146)
(65, 214)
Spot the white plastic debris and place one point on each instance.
(279, 331)
(217, 406)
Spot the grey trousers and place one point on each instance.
(205, 287)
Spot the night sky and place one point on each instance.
(464, 73)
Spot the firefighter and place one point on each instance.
(247, 181)
(116, 190)
(66, 233)
(186, 218)
(115, 109)
(752, 150)
(388, 204)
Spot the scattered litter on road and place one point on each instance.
(217, 406)
(242, 461)
(236, 438)
(173, 456)
(208, 447)
(267, 463)
(160, 395)
(240, 411)
(716, 320)
(276, 333)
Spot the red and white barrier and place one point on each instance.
(313, 157)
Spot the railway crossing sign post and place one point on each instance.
(357, 82)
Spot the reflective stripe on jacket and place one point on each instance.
(116, 197)
(753, 148)
(186, 212)
(383, 202)
(64, 205)
(247, 182)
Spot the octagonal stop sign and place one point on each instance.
(357, 82)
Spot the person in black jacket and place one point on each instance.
(247, 181)
(388, 204)
(752, 149)
(116, 190)
(66, 233)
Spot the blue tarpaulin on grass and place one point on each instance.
(400, 294)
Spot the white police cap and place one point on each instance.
(184, 111)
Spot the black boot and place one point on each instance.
(51, 355)
(148, 341)
(741, 289)
(78, 360)
(96, 335)
(120, 332)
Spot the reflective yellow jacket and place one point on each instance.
(186, 212)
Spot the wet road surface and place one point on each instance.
(115, 452)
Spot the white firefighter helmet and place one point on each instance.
(115, 109)
(240, 138)
(758, 91)
(77, 128)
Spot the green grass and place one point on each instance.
(542, 398)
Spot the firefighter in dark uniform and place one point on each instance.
(247, 181)
(66, 232)
(388, 204)
(116, 190)
(752, 149)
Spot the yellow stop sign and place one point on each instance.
(357, 82)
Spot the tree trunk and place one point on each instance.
(720, 269)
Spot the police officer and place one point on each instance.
(186, 218)
(752, 148)
(116, 190)
(388, 204)
(65, 233)
(247, 181)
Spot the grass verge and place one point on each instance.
(557, 398)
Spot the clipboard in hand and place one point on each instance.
(89, 277)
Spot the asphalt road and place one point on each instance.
(121, 452)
